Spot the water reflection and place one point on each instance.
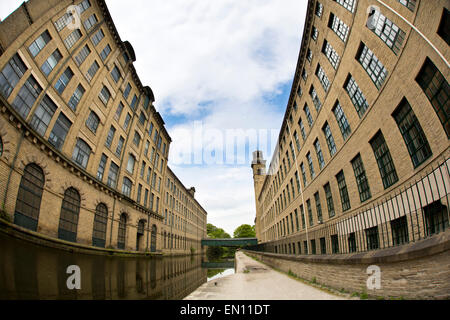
(28, 271)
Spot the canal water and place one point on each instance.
(29, 271)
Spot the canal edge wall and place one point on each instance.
(419, 270)
(40, 239)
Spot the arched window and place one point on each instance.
(68, 220)
(81, 153)
(122, 231)
(131, 163)
(126, 187)
(153, 241)
(100, 223)
(92, 122)
(29, 198)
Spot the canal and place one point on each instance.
(29, 271)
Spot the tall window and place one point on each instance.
(308, 115)
(311, 166)
(345, 200)
(59, 132)
(309, 56)
(127, 121)
(97, 37)
(436, 88)
(121, 237)
(356, 95)
(72, 38)
(64, 80)
(110, 137)
(92, 71)
(319, 154)
(339, 27)
(334, 243)
(324, 81)
(81, 153)
(329, 197)
(131, 163)
(399, 229)
(115, 74)
(310, 216)
(387, 31)
(101, 167)
(119, 111)
(297, 141)
(319, 9)
(126, 93)
(62, 22)
(29, 198)
(304, 75)
(347, 4)
(120, 146)
(105, 52)
(384, 160)
(90, 22)
(100, 223)
(329, 137)
(302, 167)
(112, 175)
(51, 62)
(43, 115)
(412, 132)
(133, 102)
(444, 26)
(82, 55)
(11, 75)
(126, 187)
(302, 128)
(373, 241)
(39, 43)
(342, 120)
(361, 178)
(137, 138)
(315, 98)
(351, 242)
(373, 66)
(27, 96)
(70, 210)
(331, 54)
(92, 122)
(314, 33)
(318, 206)
(104, 95)
(436, 217)
(76, 97)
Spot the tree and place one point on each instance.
(216, 233)
(245, 231)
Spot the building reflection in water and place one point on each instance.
(28, 271)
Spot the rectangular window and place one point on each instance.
(323, 246)
(384, 160)
(330, 140)
(120, 146)
(137, 139)
(110, 137)
(334, 244)
(361, 178)
(59, 132)
(101, 167)
(342, 120)
(309, 56)
(297, 141)
(97, 37)
(329, 197)
(92, 71)
(315, 98)
(345, 200)
(319, 9)
(347, 4)
(51, 62)
(331, 54)
(43, 115)
(308, 115)
(302, 128)
(310, 216)
(372, 238)
(127, 122)
(314, 33)
(313, 246)
(72, 39)
(304, 75)
(126, 187)
(64, 80)
(410, 4)
(112, 175)
(119, 111)
(142, 169)
(412, 132)
(11, 74)
(92, 122)
(318, 207)
(373, 66)
(323, 79)
(133, 102)
(126, 93)
(302, 167)
(436, 218)
(399, 229)
(104, 95)
(386, 30)
(356, 95)
(437, 90)
(139, 192)
(319, 154)
(81, 153)
(105, 52)
(82, 55)
(311, 166)
(339, 27)
(76, 97)
(115, 74)
(62, 22)
(83, 6)
(27, 96)
(39, 43)
(142, 118)
(90, 22)
(444, 26)
(351, 242)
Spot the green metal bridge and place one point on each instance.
(230, 242)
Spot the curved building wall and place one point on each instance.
(369, 168)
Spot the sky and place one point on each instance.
(221, 72)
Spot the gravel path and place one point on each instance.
(260, 283)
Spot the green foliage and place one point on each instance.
(216, 233)
(244, 231)
(192, 250)
(314, 280)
